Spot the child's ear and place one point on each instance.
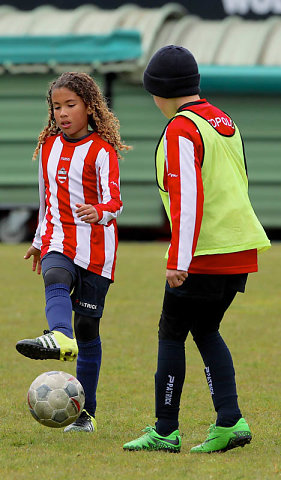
(89, 110)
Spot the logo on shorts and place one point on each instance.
(87, 305)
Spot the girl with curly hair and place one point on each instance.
(76, 239)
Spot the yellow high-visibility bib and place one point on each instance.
(229, 223)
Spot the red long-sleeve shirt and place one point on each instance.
(184, 154)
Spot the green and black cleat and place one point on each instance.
(51, 345)
(151, 440)
(221, 439)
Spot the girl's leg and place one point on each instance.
(88, 299)
(58, 274)
(58, 282)
(89, 357)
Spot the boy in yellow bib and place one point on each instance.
(215, 237)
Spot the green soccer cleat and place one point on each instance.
(84, 423)
(151, 440)
(221, 439)
(51, 345)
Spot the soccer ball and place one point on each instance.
(55, 399)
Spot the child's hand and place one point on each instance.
(176, 277)
(87, 213)
(36, 258)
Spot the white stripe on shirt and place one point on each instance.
(109, 248)
(58, 234)
(188, 202)
(76, 193)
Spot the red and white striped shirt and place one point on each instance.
(184, 154)
(85, 172)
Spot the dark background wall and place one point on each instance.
(204, 8)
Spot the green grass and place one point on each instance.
(252, 329)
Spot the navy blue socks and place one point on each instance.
(220, 377)
(170, 375)
(88, 368)
(59, 308)
(169, 380)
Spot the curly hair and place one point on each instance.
(102, 120)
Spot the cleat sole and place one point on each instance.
(37, 352)
(151, 450)
(237, 442)
(67, 356)
(234, 443)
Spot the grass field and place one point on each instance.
(252, 329)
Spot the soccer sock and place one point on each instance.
(59, 308)
(88, 369)
(169, 380)
(220, 376)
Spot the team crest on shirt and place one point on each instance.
(62, 175)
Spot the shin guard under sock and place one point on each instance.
(59, 308)
(88, 368)
(220, 376)
(169, 380)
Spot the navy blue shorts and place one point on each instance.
(198, 305)
(89, 288)
(208, 287)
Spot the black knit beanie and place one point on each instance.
(172, 72)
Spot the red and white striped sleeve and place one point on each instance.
(42, 206)
(183, 181)
(110, 205)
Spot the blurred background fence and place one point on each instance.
(240, 65)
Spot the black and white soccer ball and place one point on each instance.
(55, 399)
